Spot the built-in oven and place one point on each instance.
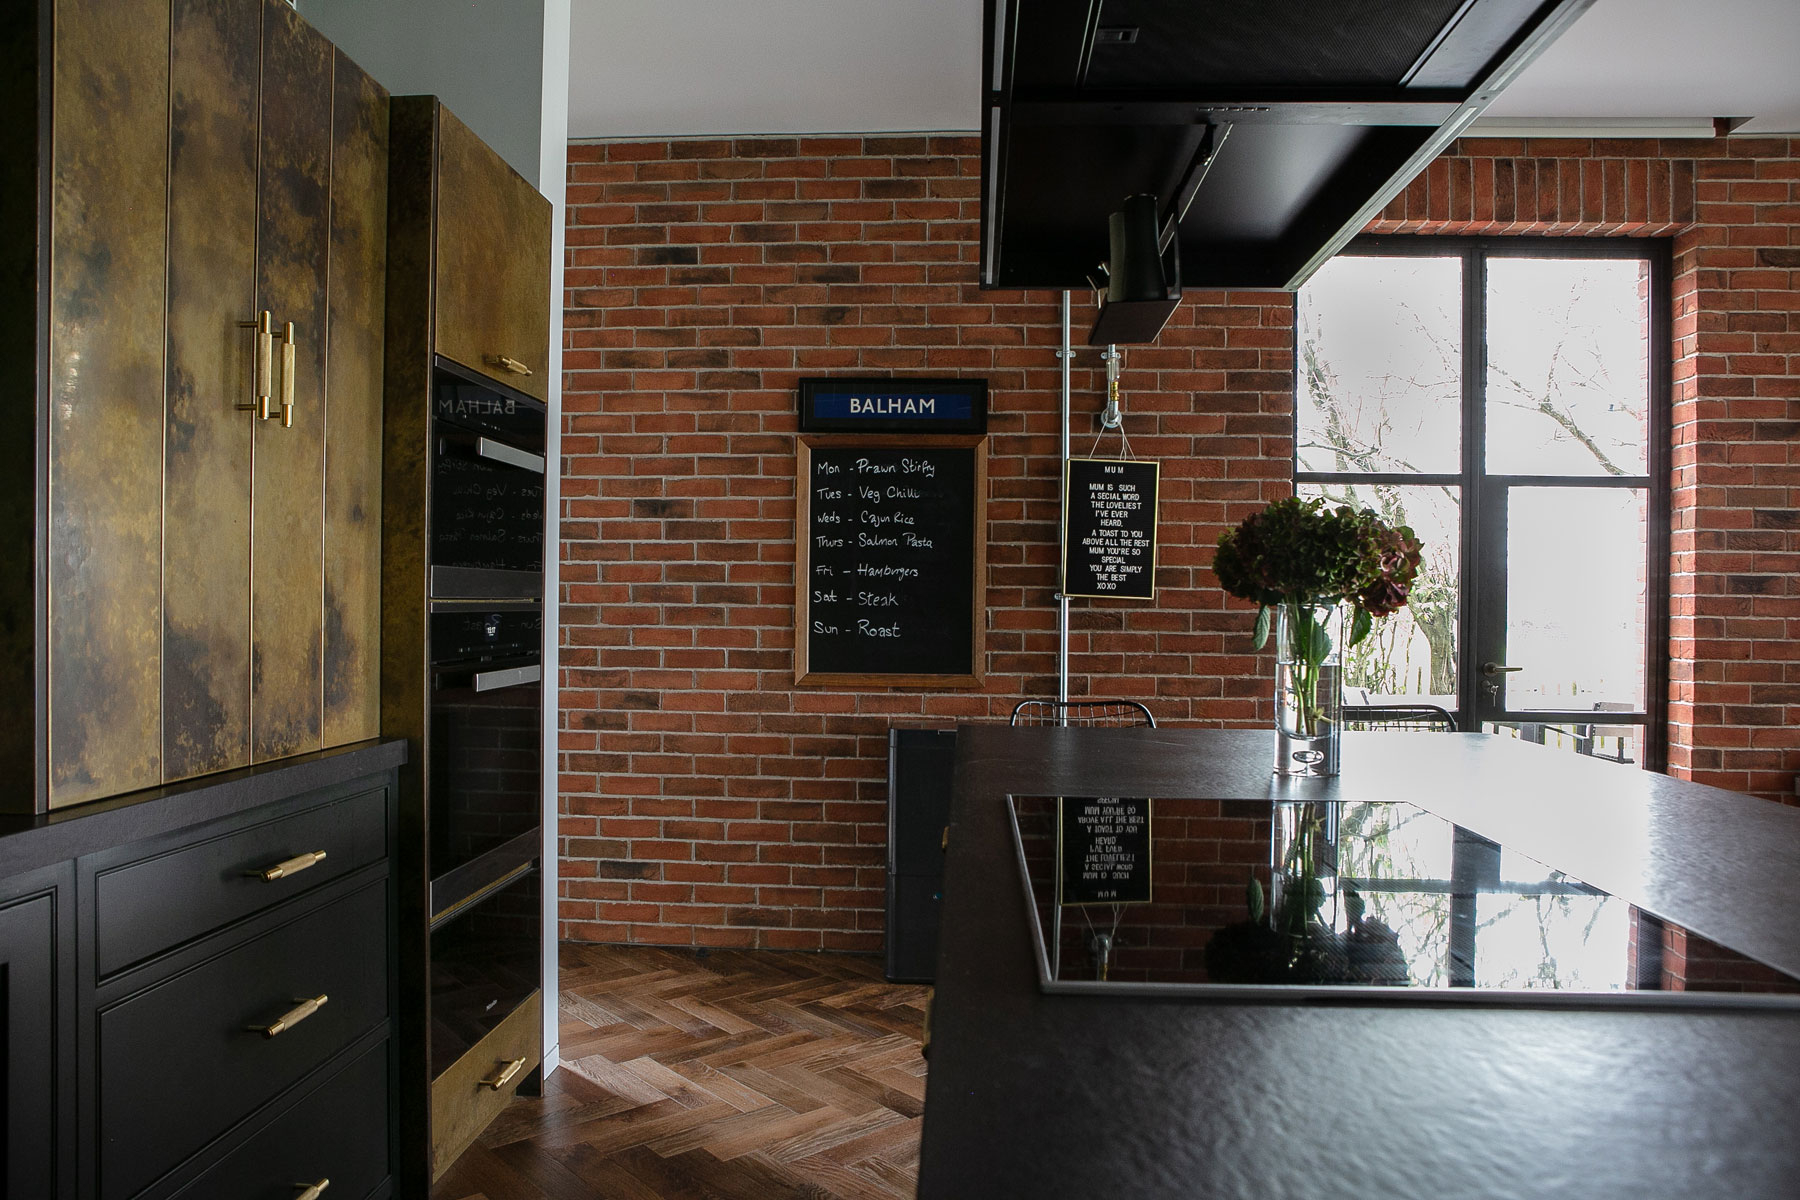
(485, 749)
(486, 529)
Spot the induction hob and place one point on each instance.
(1339, 901)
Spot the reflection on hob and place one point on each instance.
(1335, 894)
(484, 964)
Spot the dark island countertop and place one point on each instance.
(29, 842)
(1048, 1096)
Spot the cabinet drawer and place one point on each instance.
(147, 905)
(181, 1061)
(493, 263)
(338, 1134)
(462, 1104)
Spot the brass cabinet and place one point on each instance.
(194, 529)
(468, 299)
(492, 272)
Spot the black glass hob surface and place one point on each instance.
(1382, 901)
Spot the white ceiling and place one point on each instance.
(669, 68)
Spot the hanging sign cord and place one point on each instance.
(1113, 416)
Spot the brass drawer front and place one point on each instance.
(339, 1134)
(473, 1089)
(145, 907)
(183, 1060)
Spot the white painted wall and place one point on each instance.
(502, 66)
(484, 58)
(552, 174)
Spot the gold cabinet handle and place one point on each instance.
(289, 866)
(291, 1017)
(507, 364)
(289, 348)
(262, 388)
(504, 1076)
(313, 1190)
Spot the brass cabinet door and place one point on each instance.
(214, 80)
(212, 576)
(493, 264)
(103, 510)
(288, 458)
(353, 394)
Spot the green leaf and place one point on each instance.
(1319, 644)
(1253, 899)
(1361, 625)
(1262, 625)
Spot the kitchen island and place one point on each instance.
(1127, 1095)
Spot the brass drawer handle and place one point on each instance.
(263, 385)
(290, 346)
(291, 1017)
(290, 866)
(505, 1076)
(313, 1190)
(506, 364)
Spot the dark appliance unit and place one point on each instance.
(486, 746)
(487, 488)
(921, 776)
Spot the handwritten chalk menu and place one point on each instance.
(890, 553)
(1109, 529)
(1103, 850)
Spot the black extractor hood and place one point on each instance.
(1269, 131)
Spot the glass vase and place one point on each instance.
(1309, 696)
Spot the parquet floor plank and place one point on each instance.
(730, 1075)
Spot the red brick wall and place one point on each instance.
(708, 800)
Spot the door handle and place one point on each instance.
(290, 345)
(511, 366)
(1491, 669)
(493, 681)
(291, 1017)
(262, 386)
(503, 1076)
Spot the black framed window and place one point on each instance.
(1509, 400)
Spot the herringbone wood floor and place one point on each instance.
(740, 1074)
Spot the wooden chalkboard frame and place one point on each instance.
(803, 672)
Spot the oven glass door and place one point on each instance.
(487, 500)
(486, 758)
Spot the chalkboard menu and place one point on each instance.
(1102, 850)
(890, 554)
(1109, 529)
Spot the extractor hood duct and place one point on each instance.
(1143, 285)
(1331, 106)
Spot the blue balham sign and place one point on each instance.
(893, 405)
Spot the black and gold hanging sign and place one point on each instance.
(1102, 850)
(1109, 529)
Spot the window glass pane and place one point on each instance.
(1380, 382)
(1611, 743)
(1411, 655)
(1568, 363)
(1575, 599)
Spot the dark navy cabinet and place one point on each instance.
(196, 988)
(36, 989)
